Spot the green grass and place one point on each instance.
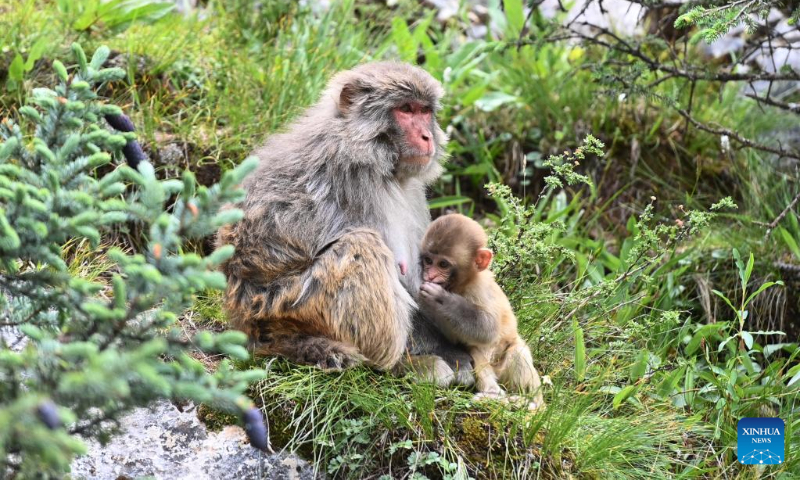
(629, 400)
(362, 424)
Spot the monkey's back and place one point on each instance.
(305, 194)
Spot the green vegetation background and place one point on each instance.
(631, 293)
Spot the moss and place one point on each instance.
(281, 429)
(280, 426)
(494, 444)
(215, 420)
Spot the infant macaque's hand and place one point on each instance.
(431, 292)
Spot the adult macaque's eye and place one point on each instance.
(426, 110)
(406, 108)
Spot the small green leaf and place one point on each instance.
(204, 340)
(795, 373)
(61, 70)
(17, 68)
(231, 336)
(667, 386)
(219, 255)
(9, 240)
(80, 56)
(30, 113)
(100, 56)
(120, 297)
(723, 297)
(236, 351)
(403, 39)
(790, 242)
(748, 363)
(448, 201)
(580, 354)
(36, 52)
(703, 332)
(748, 339)
(761, 289)
(515, 15)
(639, 367)
(724, 342)
(88, 17)
(494, 100)
(32, 331)
(623, 395)
(227, 217)
(748, 270)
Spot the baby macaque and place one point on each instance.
(460, 296)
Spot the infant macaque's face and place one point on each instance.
(436, 269)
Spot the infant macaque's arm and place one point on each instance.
(457, 318)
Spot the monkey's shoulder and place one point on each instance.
(485, 289)
(489, 297)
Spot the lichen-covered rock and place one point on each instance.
(12, 338)
(164, 443)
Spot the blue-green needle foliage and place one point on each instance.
(78, 354)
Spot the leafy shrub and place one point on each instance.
(76, 353)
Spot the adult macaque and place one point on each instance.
(461, 297)
(326, 252)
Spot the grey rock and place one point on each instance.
(318, 7)
(185, 7)
(769, 57)
(164, 443)
(447, 8)
(11, 337)
(171, 154)
(620, 16)
(477, 31)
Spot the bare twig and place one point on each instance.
(622, 46)
(522, 30)
(689, 108)
(771, 226)
(791, 107)
(738, 138)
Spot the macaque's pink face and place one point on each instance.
(455, 268)
(437, 269)
(416, 121)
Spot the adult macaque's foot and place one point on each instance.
(337, 361)
(329, 355)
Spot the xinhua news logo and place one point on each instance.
(760, 441)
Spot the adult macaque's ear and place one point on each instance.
(350, 91)
(483, 258)
(346, 98)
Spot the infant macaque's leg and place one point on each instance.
(519, 374)
(485, 377)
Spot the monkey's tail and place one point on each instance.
(132, 150)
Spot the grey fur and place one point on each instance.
(330, 172)
(460, 320)
(335, 175)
